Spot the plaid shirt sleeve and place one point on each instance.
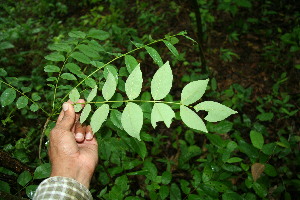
(62, 188)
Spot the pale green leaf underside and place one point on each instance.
(74, 95)
(85, 112)
(155, 56)
(193, 91)
(216, 111)
(162, 82)
(133, 85)
(162, 112)
(191, 119)
(92, 94)
(77, 107)
(109, 87)
(132, 120)
(99, 117)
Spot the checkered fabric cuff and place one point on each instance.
(62, 188)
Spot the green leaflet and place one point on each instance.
(133, 85)
(99, 117)
(42, 171)
(85, 112)
(24, 178)
(130, 63)
(164, 191)
(88, 51)
(132, 120)
(80, 57)
(74, 95)
(56, 57)
(51, 68)
(171, 48)
(193, 91)
(98, 34)
(34, 107)
(191, 119)
(60, 47)
(77, 34)
(155, 56)
(257, 139)
(216, 111)
(162, 112)
(109, 87)
(22, 102)
(68, 76)
(8, 96)
(115, 117)
(162, 82)
(75, 69)
(92, 94)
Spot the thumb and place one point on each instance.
(68, 119)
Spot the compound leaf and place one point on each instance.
(74, 95)
(109, 87)
(99, 117)
(8, 96)
(92, 94)
(191, 119)
(155, 56)
(216, 111)
(132, 120)
(162, 82)
(162, 112)
(193, 91)
(85, 112)
(133, 85)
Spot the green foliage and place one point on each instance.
(131, 82)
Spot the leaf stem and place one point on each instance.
(25, 96)
(126, 101)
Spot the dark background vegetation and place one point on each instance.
(249, 49)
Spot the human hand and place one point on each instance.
(73, 149)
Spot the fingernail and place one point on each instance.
(79, 136)
(65, 106)
(89, 136)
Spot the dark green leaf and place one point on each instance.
(155, 56)
(265, 116)
(4, 187)
(51, 68)
(77, 34)
(260, 189)
(257, 139)
(24, 178)
(175, 193)
(164, 192)
(60, 47)
(56, 57)
(7, 97)
(2, 72)
(6, 45)
(80, 57)
(22, 102)
(130, 62)
(68, 76)
(34, 107)
(166, 177)
(85, 49)
(115, 117)
(171, 47)
(42, 171)
(98, 34)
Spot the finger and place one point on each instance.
(67, 122)
(62, 112)
(77, 115)
(79, 132)
(89, 133)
